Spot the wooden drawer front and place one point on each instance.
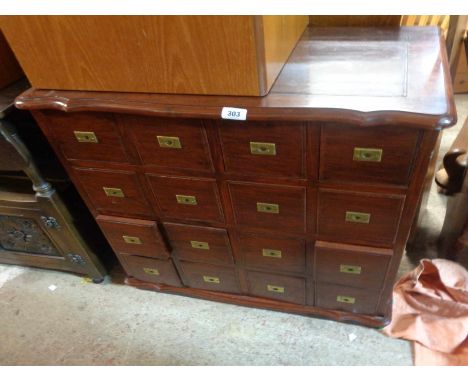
(276, 287)
(87, 136)
(360, 267)
(173, 143)
(133, 237)
(211, 277)
(358, 217)
(209, 245)
(282, 255)
(117, 192)
(339, 297)
(151, 270)
(352, 154)
(280, 208)
(264, 148)
(187, 198)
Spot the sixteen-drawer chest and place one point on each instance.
(304, 206)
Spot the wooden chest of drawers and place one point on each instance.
(303, 207)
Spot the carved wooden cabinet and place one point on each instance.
(303, 207)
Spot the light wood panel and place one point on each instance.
(223, 55)
(280, 35)
(10, 70)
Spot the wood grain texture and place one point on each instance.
(264, 303)
(10, 71)
(154, 54)
(384, 211)
(355, 21)
(372, 263)
(292, 257)
(311, 207)
(277, 287)
(149, 241)
(337, 160)
(280, 35)
(195, 276)
(183, 236)
(424, 101)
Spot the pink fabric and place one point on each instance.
(430, 307)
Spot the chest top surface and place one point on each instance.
(367, 76)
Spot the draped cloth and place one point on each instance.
(430, 307)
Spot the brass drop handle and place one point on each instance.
(367, 154)
(262, 148)
(275, 253)
(357, 217)
(186, 199)
(114, 192)
(269, 208)
(346, 299)
(211, 279)
(169, 142)
(86, 137)
(352, 269)
(199, 244)
(275, 288)
(151, 271)
(131, 239)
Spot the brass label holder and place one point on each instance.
(262, 148)
(211, 279)
(199, 244)
(357, 217)
(131, 239)
(275, 288)
(114, 192)
(86, 137)
(169, 142)
(353, 269)
(346, 299)
(186, 199)
(362, 154)
(275, 253)
(269, 208)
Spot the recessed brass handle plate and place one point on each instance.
(186, 199)
(86, 137)
(363, 154)
(346, 299)
(151, 271)
(269, 208)
(357, 217)
(275, 288)
(353, 269)
(211, 279)
(131, 239)
(114, 192)
(169, 142)
(199, 244)
(262, 148)
(276, 253)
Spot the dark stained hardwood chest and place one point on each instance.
(305, 207)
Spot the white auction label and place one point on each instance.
(234, 113)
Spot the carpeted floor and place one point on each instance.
(80, 323)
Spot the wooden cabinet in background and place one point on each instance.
(224, 55)
(303, 207)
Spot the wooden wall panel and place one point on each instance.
(10, 70)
